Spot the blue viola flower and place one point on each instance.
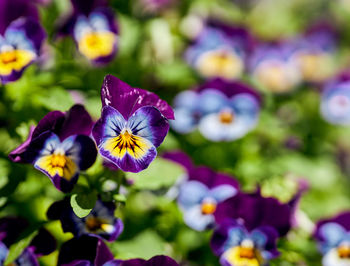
(220, 51)
(100, 221)
(60, 146)
(94, 29)
(222, 111)
(335, 102)
(333, 236)
(200, 194)
(21, 38)
(92, 251)
(237, 246)
(134, 122)
(271, 65)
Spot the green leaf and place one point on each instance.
(17, 248)
(160, 173)
(120, 198)
(82, 204)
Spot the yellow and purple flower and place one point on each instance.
(100, 221)
(60, 146)
(21, 38)
(335, 102)
(333, 236)
(134, 122)
(94, 29)
(220, 51)
(271, 65)
(88, 250)
(249, 226)
(222, 111)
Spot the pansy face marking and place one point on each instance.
(59, 158)
(14, 59)
(95, 39)
(245, 254)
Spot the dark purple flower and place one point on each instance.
(200, 194)
(134, 122)
(222, 110)
(254, 210)
(100, 221)
(273, 67)
(159, 260)
(179, 157)
(238, 246)
(220, 51)
(333, 236)
(60, 146)
(94, 29)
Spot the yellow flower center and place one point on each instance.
(274, 78)
(95, 224)
(15, 60)
(208, 207)
(344, 251)
(97, 44)
(226, 117)
(244, 256)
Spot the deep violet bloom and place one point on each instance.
(60, 146)
(92, 251)
(314, 52)
(133, 123)
(222, 111)
(237, 246)
(335, 102)
(11, 229)
(333, 236)
(21, 38)
(271, 65)
(220, 50)
(100, 221)
(94, 29)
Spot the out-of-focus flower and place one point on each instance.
(60, 146)
(237, 246)
(92, 251)
(333, 236)
(100, 221)
(335, 102)
(10, 230)
(153, 6)
(134, 122)
(314, 53)
(272, 66)
(94, 29)
(200, 194)
(220, 51)
(223, 111)
(21, 38)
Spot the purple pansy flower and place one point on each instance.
(335, 102)
(223, 111)
(60, 146)
(10, 230)
(271, 65)
(100, 221)
(238, 246)
(314, 53)
(94, 29)
(134, 122)
(201, 191)
(21, 38)
(220, 51)
(92, 251)
(333, 236)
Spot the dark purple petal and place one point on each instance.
(160, 260)
(33, 31)
(180, 158)
(230, 88)
(87, 248)
(87, 6)
(53, 122)
(210, 178)
(16, 154)
(77, 122)
(78, 263)
(342, 219)
(43, 243)
(127, 99)
(26, 258)
(88, 151)
(11, 10)
(11, 228)
(111, 18)
(256, 211)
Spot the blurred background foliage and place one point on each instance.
(290, 141)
